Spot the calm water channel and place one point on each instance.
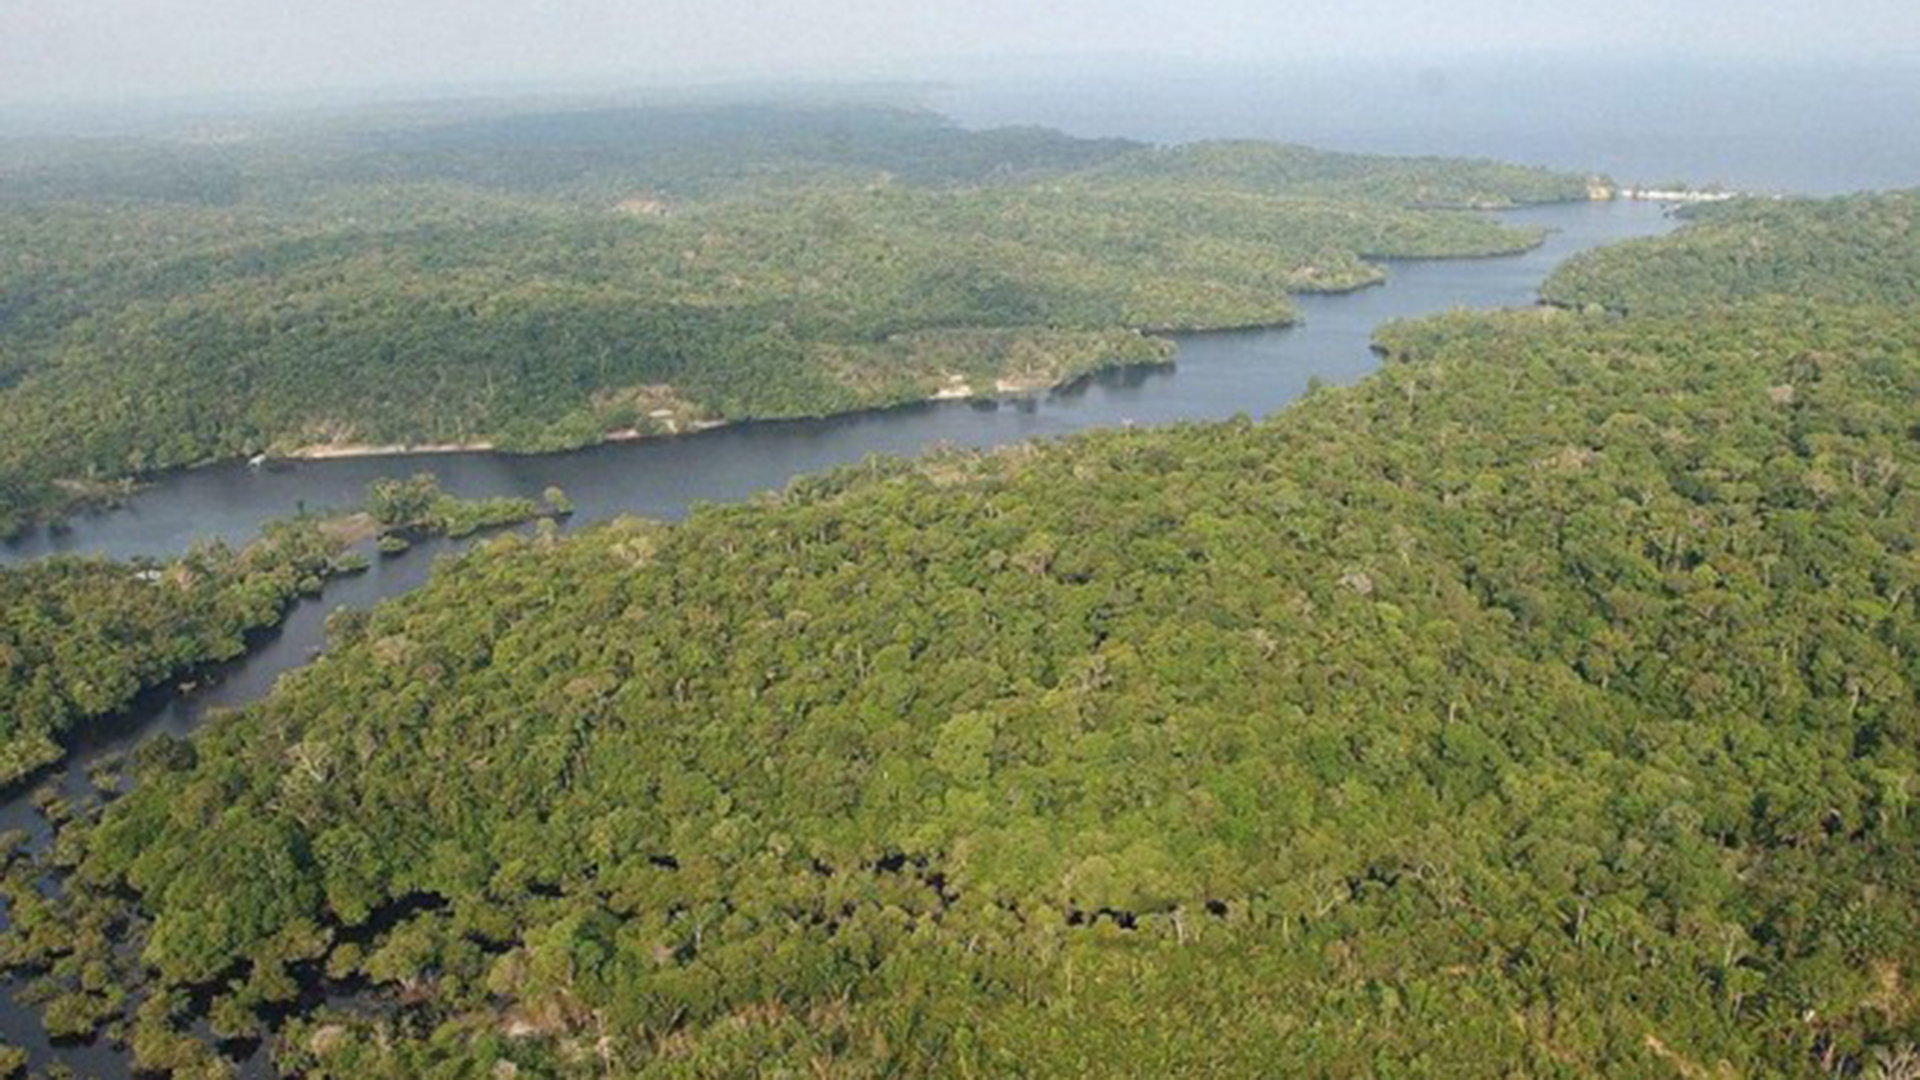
(1214, 376)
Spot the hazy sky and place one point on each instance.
(53, 50)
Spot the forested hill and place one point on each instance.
(538, 282)
(1862, 249)
(1544, 704)
(1415, 181)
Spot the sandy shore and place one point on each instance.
(338, 451)
(330, 451)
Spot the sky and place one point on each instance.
(100, 51)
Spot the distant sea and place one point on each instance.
(1800, 128)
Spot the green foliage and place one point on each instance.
(399, 504)
(79, 637)
(1409, 181)
(1546, 703)
(1861, 249)
(537, 283)
(419, 505)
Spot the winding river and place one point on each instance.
(1214, 376)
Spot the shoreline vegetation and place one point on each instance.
(1542, 703)
(1847, 250)
(957, 388)
(493, 281)
(81, 637)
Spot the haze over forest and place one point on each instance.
(112, 51)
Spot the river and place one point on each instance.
(1213, 376)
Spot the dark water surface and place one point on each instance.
(1214, 376)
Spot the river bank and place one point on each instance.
(1217, 375)
(82, 640)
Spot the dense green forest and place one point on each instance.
(81, 636)
(1865, 248)
(540, 282)
(1544, 704)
